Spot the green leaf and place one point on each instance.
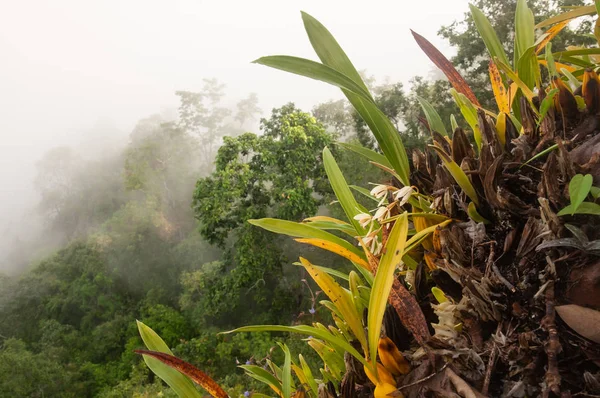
(181, 384)
(524, 31)
(528, 67)
(309, 376)
(262, 375)
(520, 83)
(299, 230)
(331, 54)
(328, 49)
(579, 188)
(573, 81)
(580, 51)
(313, 70)
(328, 225)
(539, 155)
(308, 331)
(341, 298)
(457, 173)
(384, 279)
(469, 112)
(595, 191)
(474, 214)
(453, 123)
(439, 295)
(286, 375)
(492, 43)
(342, 191)
(366, 152)
(433, 118)
(584, 208)
(365, 192)
(574, 13)
(331, 271)
(550, 60)
(547, 103)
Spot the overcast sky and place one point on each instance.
(72, 66)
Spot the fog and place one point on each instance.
(82, 73)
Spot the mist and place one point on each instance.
(81, 75)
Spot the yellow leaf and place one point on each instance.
(550, 34)
(500, 92)
(340, 298)
(335, 248)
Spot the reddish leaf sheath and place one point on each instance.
(457, 81)
(198, 376)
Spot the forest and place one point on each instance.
(186, 233)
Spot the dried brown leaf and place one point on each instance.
(584, 321)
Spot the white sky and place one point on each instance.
(69, 65)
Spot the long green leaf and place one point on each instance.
(313, 70)
(328, 225)
(492, 43)
(433, 118)
(528, 67)
(581, 51)
(342, 191)
(364, 192)
(308, 331)
(550, 60)
(331, 54)
(469, 112)
(574, 13)
(309, 376)
(262, 375)
(366, 152)
(328, 49)
(181, 384)
(299, 230)
(384, 278)
(524, 32)
(286, 375)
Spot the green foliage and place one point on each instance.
(501, 15)
(27, 374)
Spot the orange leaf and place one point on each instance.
(335, 248)
(500, 93)
(457, 81)
(550, 34)
(198, 376)
(559, 66)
